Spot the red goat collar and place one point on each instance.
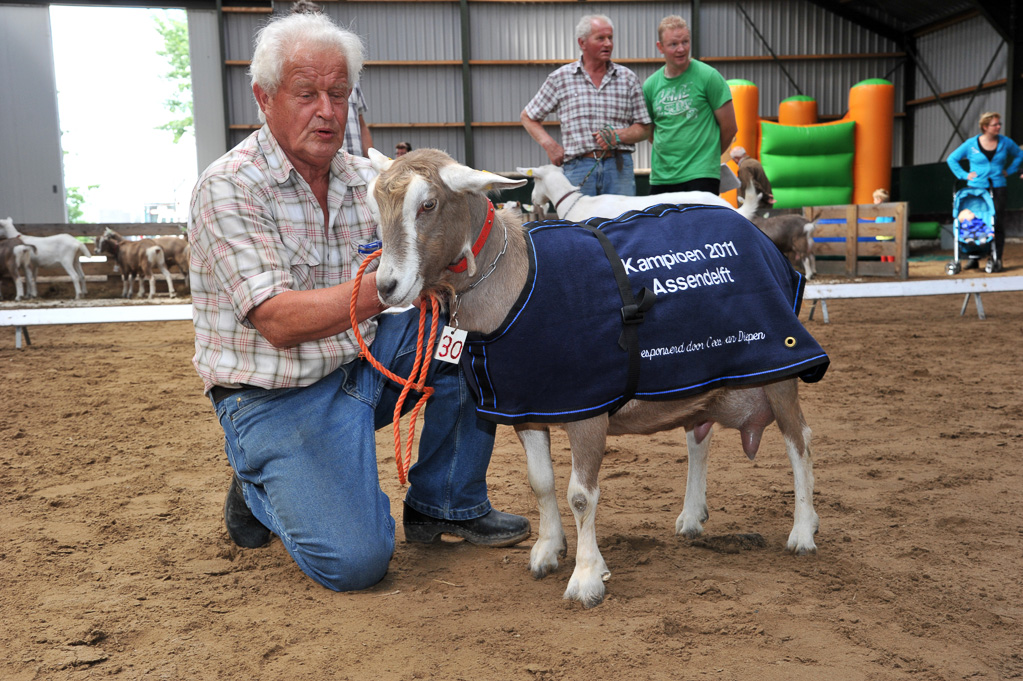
(558, 202)
(462, 264)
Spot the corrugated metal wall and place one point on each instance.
(207, 86)
(31, 168)
(421, 101)
(953, 72)
(411, 101)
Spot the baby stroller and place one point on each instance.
(973, 225)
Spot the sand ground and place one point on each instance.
(115, 563)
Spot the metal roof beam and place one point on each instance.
(842, 10)
(1001, 14)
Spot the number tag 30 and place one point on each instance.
(450, 345)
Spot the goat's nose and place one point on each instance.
(386, 286)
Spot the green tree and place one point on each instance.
(74, 198)
(175, 41)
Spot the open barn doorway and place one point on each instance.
(117, 69)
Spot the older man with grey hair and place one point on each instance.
(602, 114)
(279, 226)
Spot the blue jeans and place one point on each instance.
(605, 178)
(307, 458)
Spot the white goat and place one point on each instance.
(551, 185)
(431, 211)
(16, 262)
(59, 249)
(790, 233)
(135, 259)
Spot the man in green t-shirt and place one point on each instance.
(694, 121)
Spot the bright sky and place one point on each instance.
(111, 96)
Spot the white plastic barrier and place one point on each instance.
(24, 318)
(970, 286)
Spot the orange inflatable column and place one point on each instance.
(798, 110)
(746, 101)
(872, 106)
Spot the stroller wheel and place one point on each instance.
(952, 268)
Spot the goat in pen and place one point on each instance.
(135, 259)
(433, 214)
(59, 249)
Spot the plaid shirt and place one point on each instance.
(353, 131)
(584, 108)
(256, 230)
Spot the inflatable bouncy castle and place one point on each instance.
(816, 164)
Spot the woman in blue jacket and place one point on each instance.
(988, 154)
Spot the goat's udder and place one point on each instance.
(750, 436)
(701, 430)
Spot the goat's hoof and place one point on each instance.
(542, 563)
(541, 571)
(803, 550)
(589, 597)
(801, 546)
(689, 528)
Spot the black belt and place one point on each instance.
(220, 393)
(610, 153)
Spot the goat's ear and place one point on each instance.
(528, 172)
(378, 160)
(459, 178)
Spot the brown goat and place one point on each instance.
(175, 253)
(135, 259)
(792, 234)
(430, 210)
(16, 263)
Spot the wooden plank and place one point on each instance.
(94, 229)
(851, 234)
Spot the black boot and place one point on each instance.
(493, 529)
(243, 527)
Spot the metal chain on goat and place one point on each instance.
(416, 380)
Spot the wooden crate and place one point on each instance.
(849, 241)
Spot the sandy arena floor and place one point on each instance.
(115, 563)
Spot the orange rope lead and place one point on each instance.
(416, 379)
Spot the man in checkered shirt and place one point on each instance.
(278, 227)
(602, 113)
(358, 138)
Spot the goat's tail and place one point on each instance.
(154, 254)
(84, 250)
(748, 203)
(23, 256)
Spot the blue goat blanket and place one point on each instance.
(724, 313)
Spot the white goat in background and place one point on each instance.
(551, 185)
(59, 249)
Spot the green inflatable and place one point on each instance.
(809, 165)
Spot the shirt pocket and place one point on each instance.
(304, 259)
